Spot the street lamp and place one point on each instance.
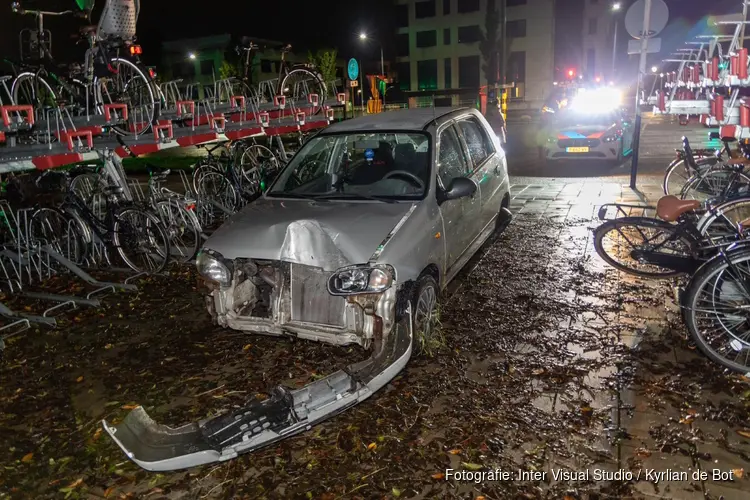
(363, 37)
(654, 69)
(191, 56)
(615, 8)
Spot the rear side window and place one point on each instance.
(479, 145)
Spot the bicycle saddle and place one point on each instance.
(669, 208)
(114, 190)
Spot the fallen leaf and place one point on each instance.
(438, 475)
(108, 346)
(738, 473)
(568, 497)
(691, 411)
(372, 446)
(80, 379)
(396, 492)
(538, 371)
(454, 451)
(27, 458)
(108, 491)
(128, 407)
(471, 466)
(27, 308)
(643, 453)
(247, 347)
(687, 420)
(587, 410)
(76, 483)
(480, 497)
(97, 433)
(744, 433)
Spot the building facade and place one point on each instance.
(438, 46)
(598, 38)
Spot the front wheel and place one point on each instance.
(618, 241)
(717, 182)
(715, 310)
(140, 240)
(426, 319)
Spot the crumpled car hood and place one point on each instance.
(328, 235)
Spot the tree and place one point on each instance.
(325, 61)
(488, 43)
(227, 70)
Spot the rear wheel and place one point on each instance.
(182, 229)
(140, 240)
(715, 309)
(616, 241)
(52, 227)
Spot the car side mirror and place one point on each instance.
(460, 187)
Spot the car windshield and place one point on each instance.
(368, 165)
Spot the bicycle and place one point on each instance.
(674, 244)
(175, 211)
(112, 75)
(296, 82)
(133, 232)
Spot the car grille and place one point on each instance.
(578, 143)
(311, 302)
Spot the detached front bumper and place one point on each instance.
(287, 412)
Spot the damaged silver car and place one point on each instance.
(351, 244)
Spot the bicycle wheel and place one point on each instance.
(300, 83)
(182, 229)
(678, 174)
(140, 240)
(202, 169)
(128, 84)
(722, 225)
(616, 240)
(218, 199)
(715, 309)
(256, 163)
(715, 183)
(51, 226)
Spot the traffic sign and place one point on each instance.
(654, 46)
(353, 69)
(635, 15)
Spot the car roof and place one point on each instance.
(403, 119)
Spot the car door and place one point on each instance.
(485, 169)
(451, 163)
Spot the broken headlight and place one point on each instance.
(363, 278)
(212, 266)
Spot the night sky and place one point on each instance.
(304, 23)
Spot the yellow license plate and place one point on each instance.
(577, 150)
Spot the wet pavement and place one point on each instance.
(551, 362)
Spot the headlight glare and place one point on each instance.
(210, 266)
(361, 279)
